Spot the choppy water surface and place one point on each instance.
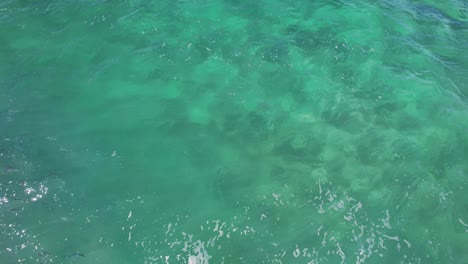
(198, 131)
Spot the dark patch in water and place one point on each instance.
(228, 184)
(307, 41)
(75, 255)
(433, 14)
(275, 50)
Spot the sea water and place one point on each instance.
(198, 131)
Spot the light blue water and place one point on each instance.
(201, 132)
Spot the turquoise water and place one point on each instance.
(198, 132)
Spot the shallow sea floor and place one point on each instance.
(196, 131)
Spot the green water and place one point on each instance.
(196, 132)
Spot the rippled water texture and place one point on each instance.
(196, 131)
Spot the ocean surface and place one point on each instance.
(206, 132)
